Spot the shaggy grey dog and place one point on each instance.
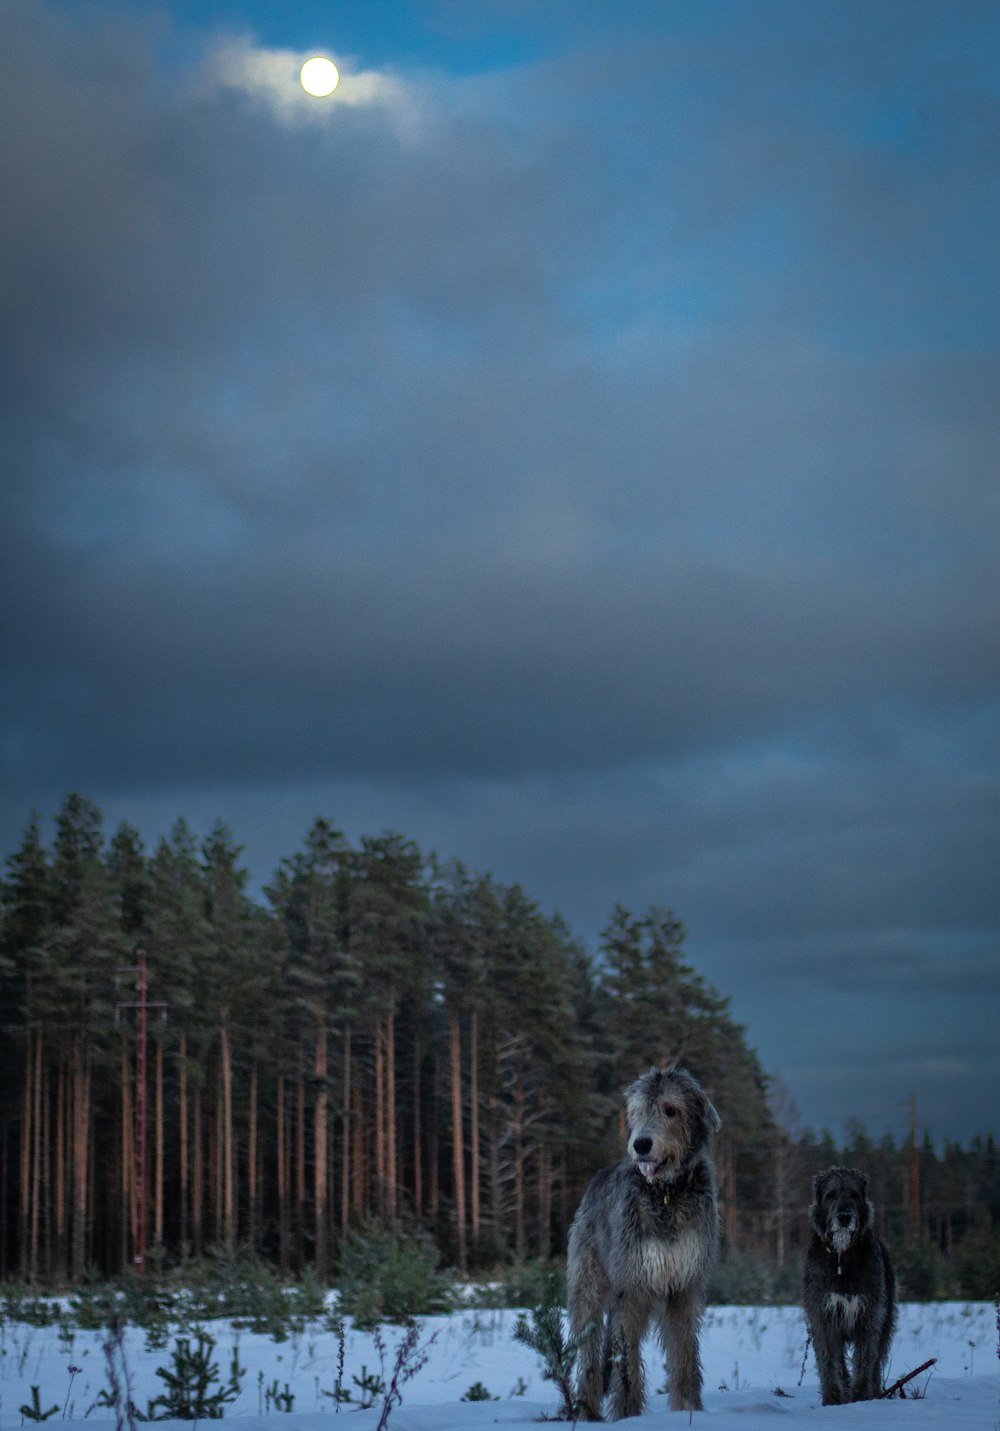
(850, 1295)
(641, 1246)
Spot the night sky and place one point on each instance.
(573, 444)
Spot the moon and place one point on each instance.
(319, 76)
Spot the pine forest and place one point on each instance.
(382, 1040)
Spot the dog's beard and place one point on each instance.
(842, 1238)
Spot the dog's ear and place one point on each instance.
(818, 1180)
(706, 1110)
(862, 1181)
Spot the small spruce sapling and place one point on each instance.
(478, 1392)
(369, 1384)
(280, 1400)
(34, 1412)
(190, 1394)
(558, 1349)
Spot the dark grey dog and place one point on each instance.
(850, 1294)
(641, 1246)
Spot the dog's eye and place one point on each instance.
(670, 1110)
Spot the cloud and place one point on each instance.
(273, 75)
(591, 461)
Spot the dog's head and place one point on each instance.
(670, 1122)
(841, 1210)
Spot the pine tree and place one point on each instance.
(233, 971)
(84, 945)
(27, 989)
(178, 937)
(310, 893)
(131, 883)
(463, 916)
(387, 920)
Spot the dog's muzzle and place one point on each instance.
(642, 1155)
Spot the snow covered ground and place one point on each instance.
(757, 1375)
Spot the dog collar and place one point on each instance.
(671, 1188)
(834, 1253)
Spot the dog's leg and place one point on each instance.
(862, 1374)
(866, 1372)
(680, 1320)
(828, 1344)
(873, 1333)
(628, 1320)
(587, 1294)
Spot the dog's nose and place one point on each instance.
(844, 1218)
(642, 1145)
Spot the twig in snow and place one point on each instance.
(898, 1385)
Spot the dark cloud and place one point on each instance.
(586, 465)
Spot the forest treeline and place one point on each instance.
(383, 1040)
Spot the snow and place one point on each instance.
(750, 1355)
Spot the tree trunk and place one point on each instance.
(184, 1189)
(418, 1171)
(5, 1213)
(544, 1247)
(474, 1120)
(518, 1139)
(433, 1170)
(128, 1227)
(36, 1179)
(496, 1199)
(60, 1173)
(215, 1178)
(779, 1200)
(197, 1175)
(457, 1136)
(81, 1140)
(300, 1163)
(390, 1118)
(226, 1134)
(283, 1239)
(319, 1149)
(252, 1162)
(379, 1122)
(46, 1179)
(158, 1152)
(25, 1169)
(345, 1170)
(358, 1186)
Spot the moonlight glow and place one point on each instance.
(319, 76)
